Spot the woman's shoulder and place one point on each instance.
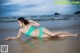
(20, 29)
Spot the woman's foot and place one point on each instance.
(78, 35)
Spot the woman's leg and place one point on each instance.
(66, 34)
(46, 31)
(60, 34)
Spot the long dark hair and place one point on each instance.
(23, 20)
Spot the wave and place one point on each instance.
(61, 17)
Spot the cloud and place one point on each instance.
(33, 7)
(27, 7)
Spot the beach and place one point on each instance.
(22, 45)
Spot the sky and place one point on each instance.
(35, 7)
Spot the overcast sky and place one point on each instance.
(34, 7)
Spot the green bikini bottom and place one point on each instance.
(32, 29)
(40, 32)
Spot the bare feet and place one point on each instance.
(78, 35)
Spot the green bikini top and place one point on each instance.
(29, 31)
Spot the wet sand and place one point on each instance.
(54, 45)
(46, 45)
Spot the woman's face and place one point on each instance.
(19, 23)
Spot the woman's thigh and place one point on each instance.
(45, 36)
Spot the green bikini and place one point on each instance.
(32, 29)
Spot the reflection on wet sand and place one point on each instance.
(47, 45)
(35, 45)
(33, 42)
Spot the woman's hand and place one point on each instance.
(10, 38)
(7, 39)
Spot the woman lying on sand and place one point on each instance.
(27, 27)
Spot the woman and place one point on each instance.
(27, 27)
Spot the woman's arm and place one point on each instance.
(34, 23)
(18, 36)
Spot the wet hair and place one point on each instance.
(23, 20)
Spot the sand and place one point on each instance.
(55, 45)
